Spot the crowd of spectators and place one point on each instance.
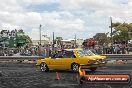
(39, 50)
(46, 50)
(115, 49)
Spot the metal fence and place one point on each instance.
(20, 57)
(109, 57)
(118, 56)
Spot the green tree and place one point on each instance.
(122, 31)
(101, 38)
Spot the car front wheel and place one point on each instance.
(75, 67)
(44, 67)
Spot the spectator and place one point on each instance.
(117, 49)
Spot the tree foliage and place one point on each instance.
(121, 31)
(101, 38)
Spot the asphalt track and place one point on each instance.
(20, 75)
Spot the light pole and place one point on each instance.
(75, 40)
(40, 32)
(48, 52)
(53, 46)
(111, 34)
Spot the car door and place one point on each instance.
(68, 58)
(56, 61)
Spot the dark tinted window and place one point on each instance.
(69, 54)
(58, 55)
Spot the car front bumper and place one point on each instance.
(92, 65)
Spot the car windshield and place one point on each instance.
(85, 53)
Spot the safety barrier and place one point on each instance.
(109, 57)
(118, 56)
(20, 57)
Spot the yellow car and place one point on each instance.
(71, 59)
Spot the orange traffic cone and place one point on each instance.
(81, 71)
(57, 76)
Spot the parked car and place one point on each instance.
(71, 59)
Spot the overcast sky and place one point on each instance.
(64, 17)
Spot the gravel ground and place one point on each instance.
(29, 76)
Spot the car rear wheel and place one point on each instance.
(93, 68)
(75, 67)
(44, 67)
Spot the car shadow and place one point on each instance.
(71, 72)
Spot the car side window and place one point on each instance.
(69, 54)
(58, 55)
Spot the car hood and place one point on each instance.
(94, 57)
